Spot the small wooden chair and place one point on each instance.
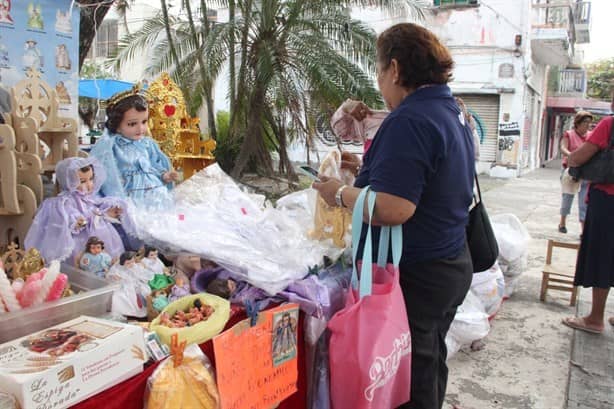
(559, 276)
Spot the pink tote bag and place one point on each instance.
(370, 343)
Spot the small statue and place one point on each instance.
(222, 287)
(151, 261)
(159, 300)
(130, 298)
(180, 289)
(95, 259)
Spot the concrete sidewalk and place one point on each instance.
(531, 360)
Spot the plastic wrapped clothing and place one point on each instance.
(513, 240)
(213, 218)
(489, 287)
(332, 222)
(134, 169)
(470, 324)
(129, 299)
(347, 128)
(55, 232)
(189, 385)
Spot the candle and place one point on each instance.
(7, 293)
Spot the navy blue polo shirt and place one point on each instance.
(423, 152)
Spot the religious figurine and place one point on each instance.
(95, 259)
(64, 223)
(222, 287)
(136, 167)
(32, 262)
(130, 298)
(151, 262)
(180, 289)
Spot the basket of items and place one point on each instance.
(195, 319)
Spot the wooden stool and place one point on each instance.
(559, 276)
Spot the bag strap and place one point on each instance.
(477, 185)
(387, 234)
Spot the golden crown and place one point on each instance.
(137, 89)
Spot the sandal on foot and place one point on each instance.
(611, 320)
(580, 323)
(562, 229)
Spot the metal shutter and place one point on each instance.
(485, 108)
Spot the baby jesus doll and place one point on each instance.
(95, 259)
(64, 223)
(130, 298)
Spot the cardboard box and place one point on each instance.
(69, 362)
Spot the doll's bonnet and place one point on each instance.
(67, 176)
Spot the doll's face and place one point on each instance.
(95, 249)
(232, 286)
(153, 255)
(86, 181)
(129, 263)
(134, 124)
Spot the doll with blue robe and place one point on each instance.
(95, 259)
(136, 167)
(63, 224)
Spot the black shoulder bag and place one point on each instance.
(480, 236)
(599, 168)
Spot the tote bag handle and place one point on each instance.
(387, 234)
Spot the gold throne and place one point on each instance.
(175, 131)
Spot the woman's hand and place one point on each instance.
(170, 176)
(351, 162)
(358, 109)
(327, 187)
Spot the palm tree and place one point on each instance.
(296, 58)
(122, 7)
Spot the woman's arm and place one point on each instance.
(583, 154)
(390, 210)
(565, 144)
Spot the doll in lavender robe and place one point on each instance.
(95, 259)
(179, 290)
(63, 224)
(136, 167)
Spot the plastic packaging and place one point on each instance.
(489, 287)
(189, 385)
(513, 239)
(213, 218)
(470, 324)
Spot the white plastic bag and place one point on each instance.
(470, 324)
(513, 240)
(489, 287)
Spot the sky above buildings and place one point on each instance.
(602, 31)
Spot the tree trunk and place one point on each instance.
(171, 45)
(231, 56)
(253, 146)
(91, 18)
(285, 165)
(234, 115)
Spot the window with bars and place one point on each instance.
(452, 3)
(106, 40)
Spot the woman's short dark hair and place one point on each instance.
(580, 117)
(115, 113)
(421, 56)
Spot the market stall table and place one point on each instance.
(129, 394)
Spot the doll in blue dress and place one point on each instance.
(95, 259)
(136, 167)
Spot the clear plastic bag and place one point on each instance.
(513, 240)
(215, 219)
(189, 385)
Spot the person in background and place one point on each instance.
(421, 165)
(595, 263)
(572, 140)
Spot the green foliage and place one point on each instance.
(91, 70)
(601, 79)
(227, 149)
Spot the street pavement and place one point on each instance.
(531, 360)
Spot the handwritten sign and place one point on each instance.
(253, 370)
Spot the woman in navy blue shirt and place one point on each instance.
(421, 166)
